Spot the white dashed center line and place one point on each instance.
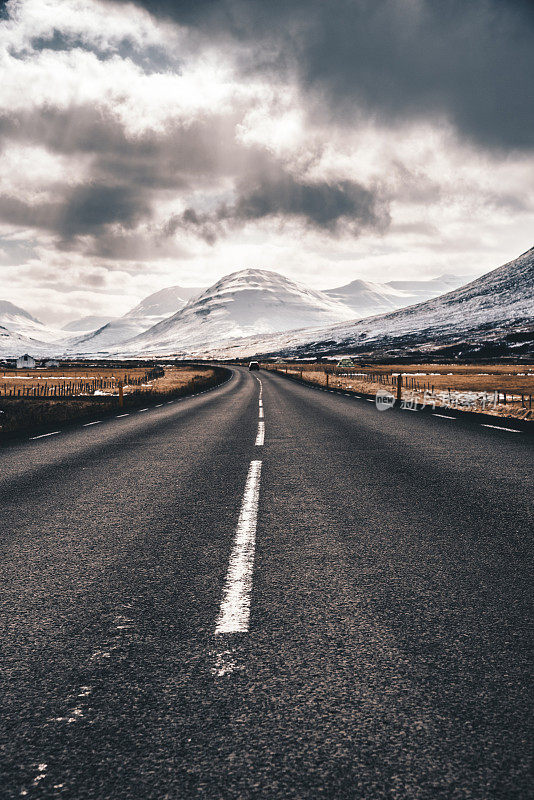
(261, 412)
(500, 428)
(42, 435)
(260, 437)
(96, 422)
(443, 416)
(141, 410)
(234, 613)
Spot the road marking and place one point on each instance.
(141, 410)
(42, 435)
(261, 412)
(158, 405)
(500, 428)
(234, 613)
(369, 400)
(260, 437)
(97, 422)
(443, 416)
(121, 415)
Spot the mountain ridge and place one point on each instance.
(492, 314)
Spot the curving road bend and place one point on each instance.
(267, 591)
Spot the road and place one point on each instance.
(303, 599)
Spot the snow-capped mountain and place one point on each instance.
(148, 312)
(18, 321)
(366, 298)
(164, 303)
(492, 314)
(247, 302)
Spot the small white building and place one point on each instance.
(25, 362)
(51, 363)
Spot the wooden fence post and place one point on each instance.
(399, 389)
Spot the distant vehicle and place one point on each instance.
(253, 365)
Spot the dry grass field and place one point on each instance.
(83, 381)
(37, 399)
(503, 390)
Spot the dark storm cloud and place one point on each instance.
(471, 62)
(321, 204)
(80, 211)
(332, 207)
(89, 208)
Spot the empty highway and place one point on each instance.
(267, 591)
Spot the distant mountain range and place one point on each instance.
(490, 317)
(255, 311)
(367, 299)
(244, 303)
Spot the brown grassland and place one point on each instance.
(106, 379)
(83, 392)
(503, 390)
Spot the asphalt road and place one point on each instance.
(341, 611)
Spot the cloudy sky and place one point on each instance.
(173, 141)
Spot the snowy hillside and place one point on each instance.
(493, 314)
(18, 321)
(87, 324)
(251, 301)
(418, 291)
(13, 345)
(148, 312)
(164, 303)
(366, 298)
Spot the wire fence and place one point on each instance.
(48, 386)
(339, 377)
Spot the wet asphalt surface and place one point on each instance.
(389, 653)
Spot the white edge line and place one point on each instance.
(500, 428)
(42, 435)
(234, 613)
